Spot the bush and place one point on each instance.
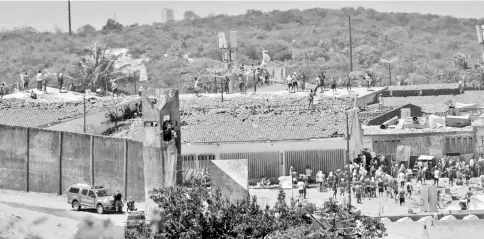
(192, 212)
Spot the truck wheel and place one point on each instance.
(100, 209)
(76, 206)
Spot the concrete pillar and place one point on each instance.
(162, 160)
(91, 161)
(27, 159)
(126, 169)
(60, 162)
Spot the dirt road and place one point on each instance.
(56, 216)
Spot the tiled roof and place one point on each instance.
(30, 113)
(247, 118)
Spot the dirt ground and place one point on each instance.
(31, 213)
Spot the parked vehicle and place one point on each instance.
(134, 219)
(87, 196)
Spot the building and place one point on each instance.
(167, 15)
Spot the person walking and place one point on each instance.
(401, 194)
(39, 81)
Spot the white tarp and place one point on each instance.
(468, 106)
(477, 202)
(426, 157)
(143, 73)
(285, 181)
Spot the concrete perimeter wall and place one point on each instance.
(39, 160)
(42, 160)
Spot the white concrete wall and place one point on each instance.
(323, 144)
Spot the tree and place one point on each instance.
(86, 30)
(195, 213)
(95, 63)
(337, 221)
(190, 16)
(112, 26)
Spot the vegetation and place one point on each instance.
(194, 213)
(309, 41)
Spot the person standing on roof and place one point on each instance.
(368, 80)
(195, 86)
(348, 83)
(45, 81)
(115, 88)
(60, 80)
(303, 80)
(24, 80)
(2, 91)
(39, 81)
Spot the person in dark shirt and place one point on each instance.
(335, 189)
(60, 79)
(33, 95)
(380, 188)
(358, 193)
(2, 90)
(311, 98)
(342, 188)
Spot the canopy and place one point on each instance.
(426, 157)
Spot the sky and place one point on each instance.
(49, 15)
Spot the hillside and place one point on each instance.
(308, 41)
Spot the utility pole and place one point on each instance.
(84, 127)
(389, 62)
(351, 47)
(222, 89)
(348, 156)
(134, 78)
(69, 10)
(390, 72)
(255, 81)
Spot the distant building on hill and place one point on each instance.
(167, 15)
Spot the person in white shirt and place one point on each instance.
(39, 81)
(401, 178)
(436, 177)
(300, 186)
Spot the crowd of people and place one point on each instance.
(377, 177)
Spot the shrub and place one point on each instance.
(192, 212)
